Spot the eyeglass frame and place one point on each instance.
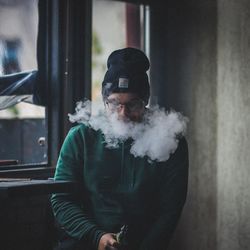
(119, 105)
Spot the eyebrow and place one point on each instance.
(117, 99)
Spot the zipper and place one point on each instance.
(132, 182)
(122, 164)
(129, 172)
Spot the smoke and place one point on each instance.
(155, 137)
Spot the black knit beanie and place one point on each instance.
(127, 73)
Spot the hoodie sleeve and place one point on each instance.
(171, 200)
(67, 209)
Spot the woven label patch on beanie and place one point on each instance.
(123, 83)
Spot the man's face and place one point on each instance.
(128, 106)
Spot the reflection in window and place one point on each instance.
(22, 126)
(10, 56)
(115, 25)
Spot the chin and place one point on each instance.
(124, 119)
(131, 119)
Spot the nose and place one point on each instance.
(123, 112)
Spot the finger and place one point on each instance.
(113, 242)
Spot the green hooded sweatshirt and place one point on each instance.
(116, 189)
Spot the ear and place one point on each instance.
(105, 103)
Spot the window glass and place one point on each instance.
(115, 25)
(22, 126)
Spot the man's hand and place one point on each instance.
(108, 242)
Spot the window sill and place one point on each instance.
(9, 189)
(31, 172)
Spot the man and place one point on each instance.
(117, 189)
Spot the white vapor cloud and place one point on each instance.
(155, 137)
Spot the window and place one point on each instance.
(22, 123)
(115, 25)
(49, 43)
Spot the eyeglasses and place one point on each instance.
(132, 106)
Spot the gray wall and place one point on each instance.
(200, 66)
(233, 140)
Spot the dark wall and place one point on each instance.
(184, 77)
(200, 66)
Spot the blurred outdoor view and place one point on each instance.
(18, 34)
(23, 129)
(112, 21)
(21, 125)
